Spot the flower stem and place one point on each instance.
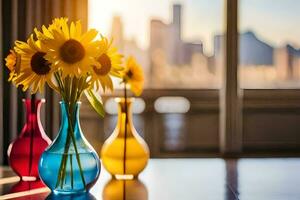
(70, 92)
(71, 165)
(125, 134)
(31, 133)
(76, 151)
(63, 162)
(62, 169)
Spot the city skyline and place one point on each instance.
(169, 54)
(131, 11)
(205, 18)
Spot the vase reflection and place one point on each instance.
(125, 190)
(82, 196)
(26, 185)
(24, 190)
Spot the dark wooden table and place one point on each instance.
(183, 179)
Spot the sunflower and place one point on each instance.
(35, 70)
(133, 76)
(68, 49)
(13, 61)
(46, 33)
(109, 64)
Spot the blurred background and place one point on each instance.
(182, 47)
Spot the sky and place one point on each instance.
(274, 21)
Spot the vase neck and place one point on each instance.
(33, 121)
(70, 115)
(125, 116)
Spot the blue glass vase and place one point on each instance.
(70, 164)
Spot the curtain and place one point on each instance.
(17, 20)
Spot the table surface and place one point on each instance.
(183, 179)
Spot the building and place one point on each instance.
(171, 56)
(252, 51)
(287, 62)
(129, 47)
(167, 38)
(117, 32)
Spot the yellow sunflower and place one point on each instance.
(133, 76)
(35, 70)
(13, 64)
(109, 64)
(70, 50)
(46, 33)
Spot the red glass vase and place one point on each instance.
(24, 152)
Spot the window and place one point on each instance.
(178, 44)
(269, 54)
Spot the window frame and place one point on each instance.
(255, 100)
(231, 101)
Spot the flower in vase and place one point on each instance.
(109, 64)
(12, 62)
(34, 70)
(69, 49)
(47, 33)
(133, 76)
(72, 63)
(57, 23)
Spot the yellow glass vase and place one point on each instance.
(124, 154)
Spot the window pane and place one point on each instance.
(179, 45)
(175, 43)
(269, 41)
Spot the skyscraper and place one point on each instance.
(177, 20)
(175, 44)
(167, 39)
(117, 32)
(128, 47)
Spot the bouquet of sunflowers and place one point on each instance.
(69, 61)
(72, 63)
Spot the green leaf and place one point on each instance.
(95, 101)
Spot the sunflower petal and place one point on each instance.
(89, 36)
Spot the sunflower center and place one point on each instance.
(72, 51)
(39, 64)
(105, 62)
(129, 74)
